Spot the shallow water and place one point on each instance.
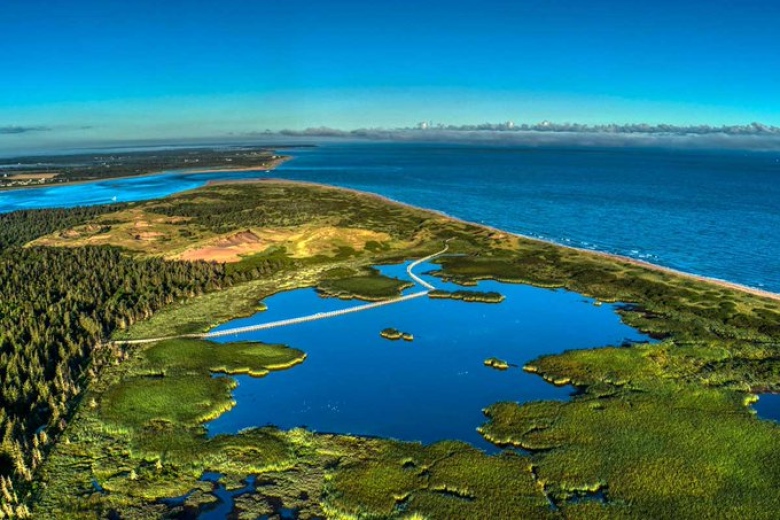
(768, 407)
(224, 504)
(129, 189)
(433, 388)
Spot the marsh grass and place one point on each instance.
(181, 389)
(468, 296)
(178, 399)
(444, 480)
(198, 356)
(662, 447)
(498, 364)
(373, 287)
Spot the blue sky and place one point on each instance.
(89, 69)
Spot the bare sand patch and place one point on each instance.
(31, 176)
(227, 248)
(300, 242)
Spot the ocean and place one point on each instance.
(712, 213)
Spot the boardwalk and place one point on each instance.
(313, 317)
(416, 278)
(333, 314)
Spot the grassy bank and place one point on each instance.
(373, 287)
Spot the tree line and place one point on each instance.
(58, 306)
(20, 227)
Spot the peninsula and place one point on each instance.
(652, 431)
(26, 172)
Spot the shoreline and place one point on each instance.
(612, 256)
(273, 164)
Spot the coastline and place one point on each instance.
(612, 256)
(273, 164)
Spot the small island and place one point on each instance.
(498, 364)
(468, 296)
(395, 334)
(371, 287)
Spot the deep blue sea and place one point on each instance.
(714, 213)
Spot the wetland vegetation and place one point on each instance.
(373, 287)
(660, 430)
(468, 296)
(498, 364)
(395, 334)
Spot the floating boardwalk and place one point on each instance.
(341, 312)
(313, 317)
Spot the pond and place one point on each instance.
(224, 503)
(429, 389)
(768, 407)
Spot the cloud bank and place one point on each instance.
(755, 136)
(14, 130)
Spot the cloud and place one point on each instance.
(749, 137)
(13, 129)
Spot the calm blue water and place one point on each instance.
(768, 406)
(710, 213)
(114, 190)
(225, 499)
(434, 388)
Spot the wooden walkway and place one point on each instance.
(333, 314)
(312, 317)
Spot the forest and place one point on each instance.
(19, 227)
(58, 306)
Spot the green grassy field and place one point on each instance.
(372, 287)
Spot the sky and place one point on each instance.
(78, 70)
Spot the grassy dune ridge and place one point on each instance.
(661, 431)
